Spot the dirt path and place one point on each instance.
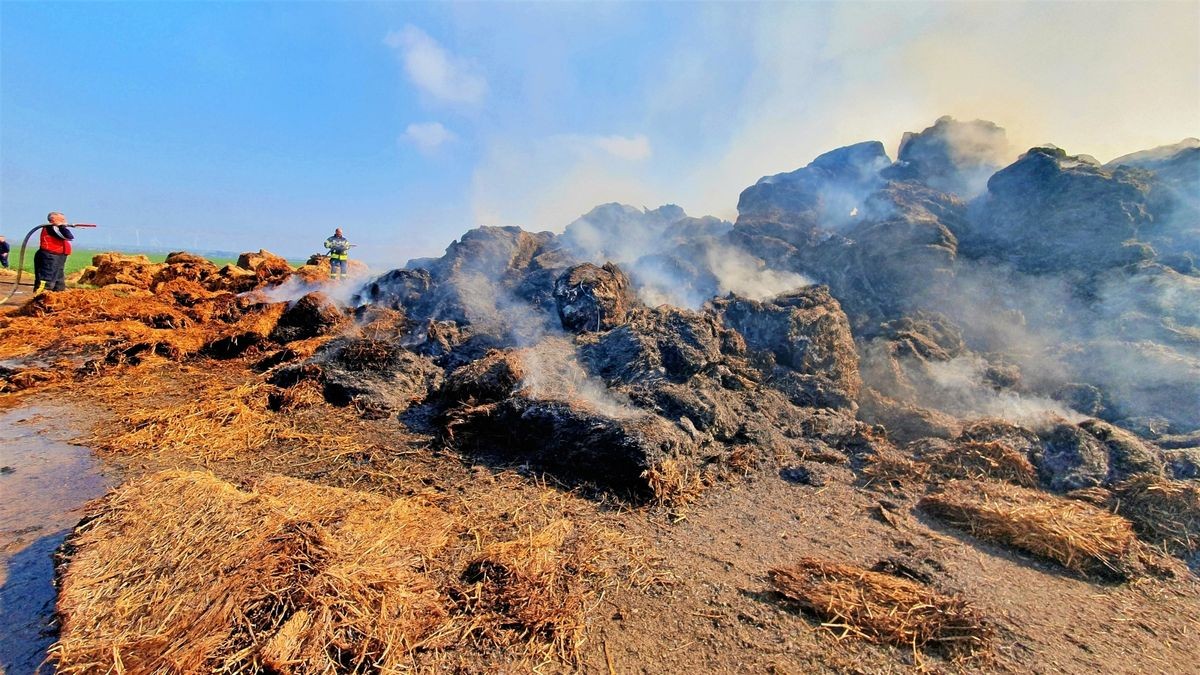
(720, 616)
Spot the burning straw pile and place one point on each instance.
(183, 572)
(95, 322)
(1079, 536)
(882, 608)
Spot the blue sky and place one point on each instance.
(234, 126)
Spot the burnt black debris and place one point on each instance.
(1040, 301)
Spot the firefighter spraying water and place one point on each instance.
(49, 263)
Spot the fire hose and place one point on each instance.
(21, 260)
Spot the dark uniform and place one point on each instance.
(4, 249)
(50, 261)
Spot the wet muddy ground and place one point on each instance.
(45, 480)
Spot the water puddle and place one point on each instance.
(44, 483)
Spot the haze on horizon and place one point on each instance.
(245, 125)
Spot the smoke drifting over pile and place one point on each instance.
(674, 259)
(1049, 288)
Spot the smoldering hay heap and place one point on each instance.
(857, 304)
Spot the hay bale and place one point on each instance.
(116, 268)
(268, 268)
(1078, 536)
(252, 329)
(879, 607)
(314, 274)
(185, 258)
(234, 279)
(198, 270)
(1164, 512)
(982, 460)
(251, 260)
(185, 292)
(183, 572)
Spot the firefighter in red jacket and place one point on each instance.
(50, 261)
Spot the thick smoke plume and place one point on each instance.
(674, 259)
(978, 286)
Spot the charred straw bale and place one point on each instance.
(1128, 455)
(251, 330)
(573, 439)
(495, 376)
(805, 330)
(591, 298)
(1078, 536)
(313, 315)
(879, 607)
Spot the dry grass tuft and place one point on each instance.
(217, 422)
(971, 459)
(882, 608)
(983, 460)
(1079, 536)
(521, 589)
(673, 484)
(1164, 512)
(182, 572)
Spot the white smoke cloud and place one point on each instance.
(634, 148)
(293, 288)
(959, 386)
(545, 183)
(428, 136)
(435, 71)
(741, 273)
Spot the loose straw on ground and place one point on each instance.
(882, 608)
